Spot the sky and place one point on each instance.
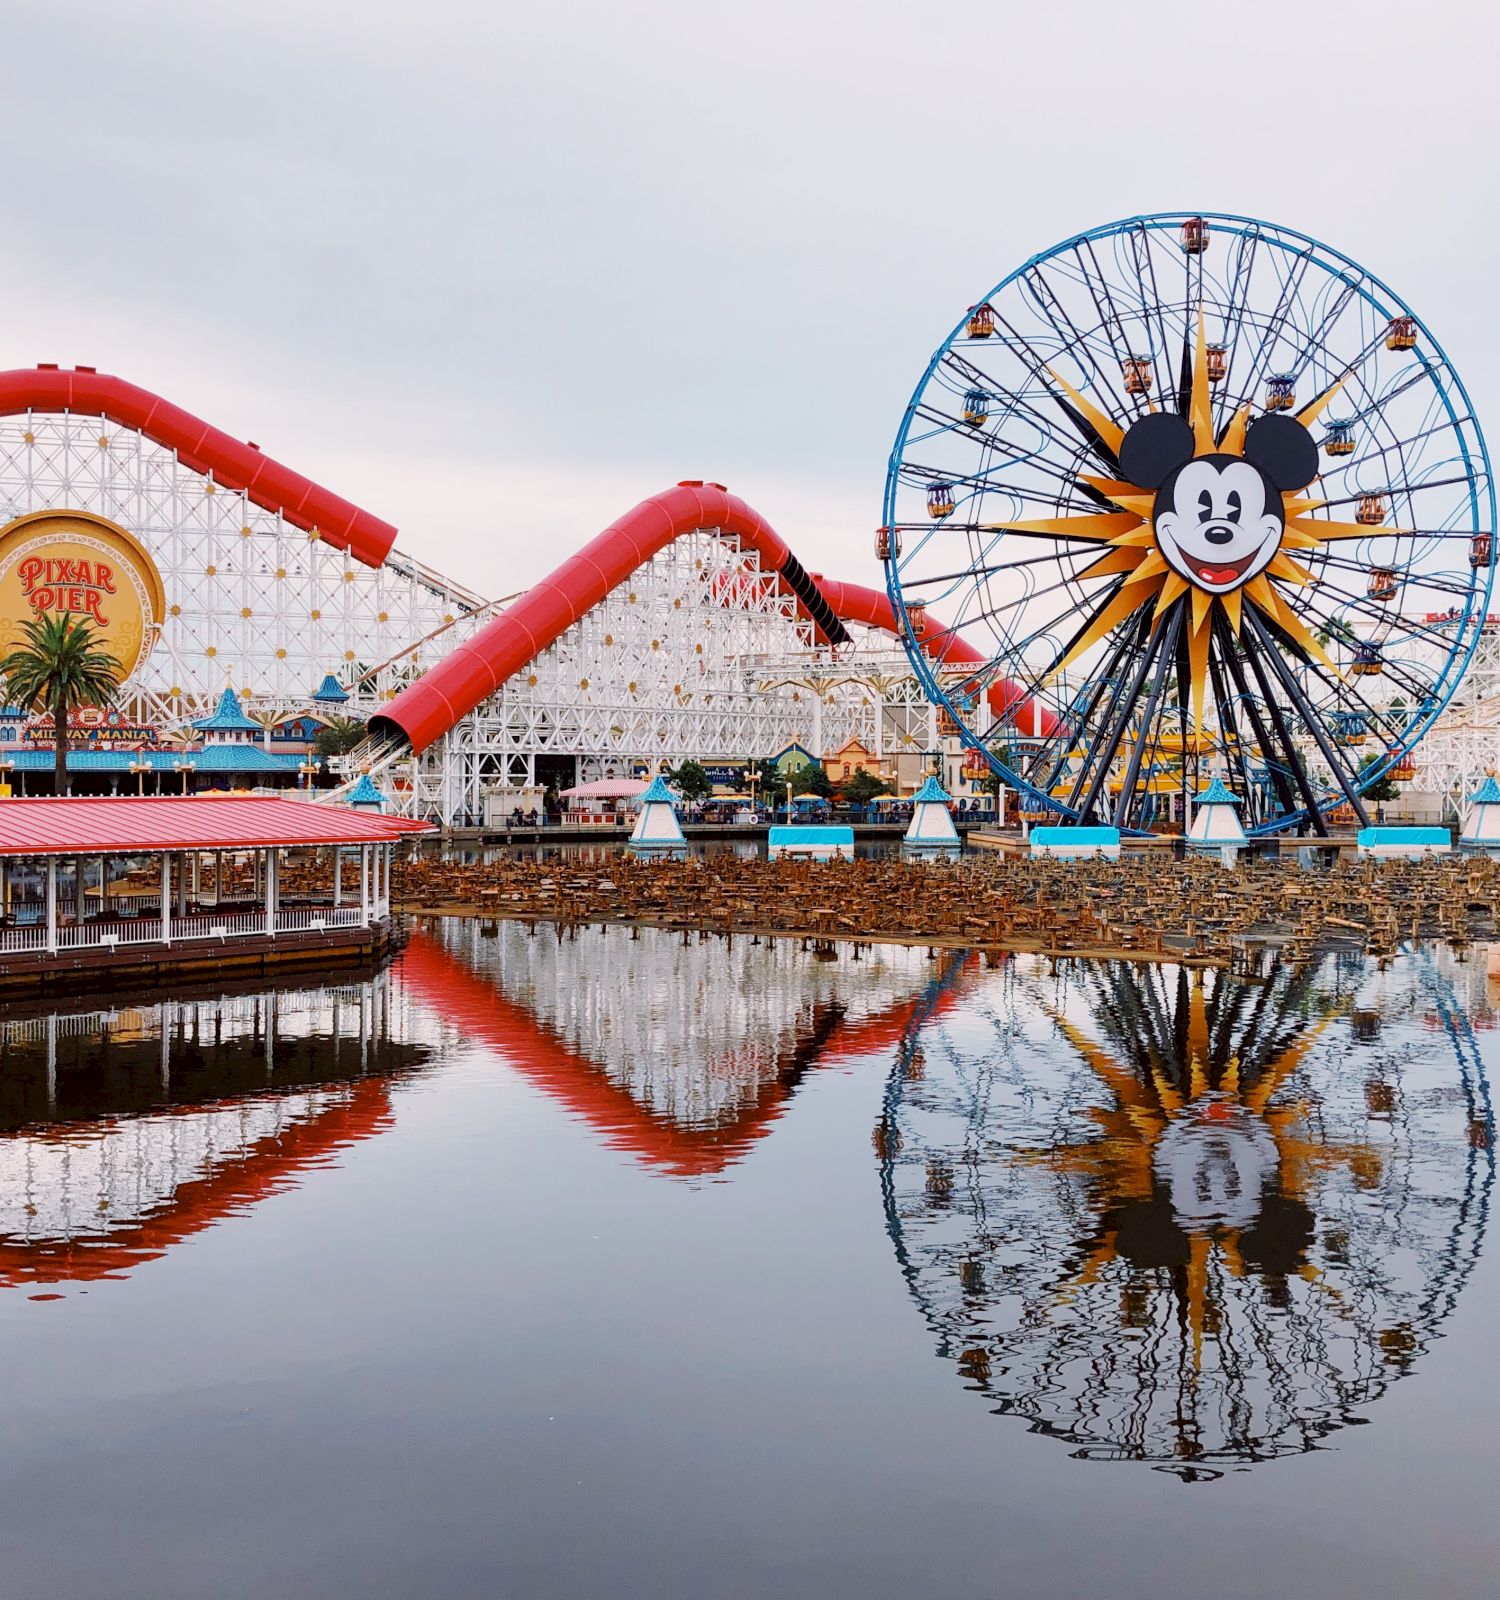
(496, 273)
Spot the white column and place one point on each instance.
(52, 903)
(218, 877)
(166, 897)
(181, 884)
(271, 888)
(197, 875)
(338, 876)
(103, 886)
(78, 888)
(364, 886)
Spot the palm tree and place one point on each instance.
(59, 668)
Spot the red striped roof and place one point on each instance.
(186, 822)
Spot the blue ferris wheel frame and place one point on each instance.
(1431, 355)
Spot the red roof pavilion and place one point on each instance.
(128, 825)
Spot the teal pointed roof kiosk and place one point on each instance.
(931, 833)
(1216, 820)
(657, 831)
(1481, 829)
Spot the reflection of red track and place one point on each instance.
(581, 1087)
(278, 1162)
(268, 1167)
(475, 669)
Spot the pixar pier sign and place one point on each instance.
(71, 563)
(68, 583)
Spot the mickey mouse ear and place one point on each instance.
(1283, 449)
(1154, 448)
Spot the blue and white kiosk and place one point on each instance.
(931, 834)
(1481, 831)
(657, 831)
(364, 796)
(1216, 821)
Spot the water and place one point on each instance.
(634, 1267)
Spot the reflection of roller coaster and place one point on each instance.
(1191, 1220)
(681, 1055)
(125, 1131)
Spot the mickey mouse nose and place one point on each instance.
(1218, 534)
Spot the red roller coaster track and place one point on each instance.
(201, 448)
(467, 677)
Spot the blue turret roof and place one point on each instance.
(657, 793)
(1488, 793)
(364, 793)
(228, 718)
(931, 793)
(330, 691)
(1217, 795)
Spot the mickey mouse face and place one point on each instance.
(1221, 525)
(1218, 519)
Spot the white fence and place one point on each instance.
(146, 928)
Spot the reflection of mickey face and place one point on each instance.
(1218, 522)
(1218, 519)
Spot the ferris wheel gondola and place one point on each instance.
(1197, 485)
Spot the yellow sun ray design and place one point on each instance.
(1130, 549)
(1120, 1165)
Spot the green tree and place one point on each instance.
(338, 738)
(58, 669)
(811, 779)
(862, 787)
(1383, 788)
(691, 781)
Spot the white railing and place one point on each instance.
(146, 928)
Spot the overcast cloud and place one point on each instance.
(498, 272)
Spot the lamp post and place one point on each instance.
(751, 777)
(184, 767)
(306, 769)
(140, 769)
(788, 799)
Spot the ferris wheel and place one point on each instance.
(1210, 499)
(1193, 1220)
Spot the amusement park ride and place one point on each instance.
(1212, 495)
(1186, 496)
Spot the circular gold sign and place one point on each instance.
(69, 562)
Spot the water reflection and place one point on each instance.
(126, 1129)
(1187, 1218)
(681, 1052)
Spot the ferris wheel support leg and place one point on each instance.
(1072, 724)
(1148, 717)
(1117, 731)
(1117, 692)
(1314, 725)
(1267, 748)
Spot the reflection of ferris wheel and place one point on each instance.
(1189, 1220)
(1216, 500)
